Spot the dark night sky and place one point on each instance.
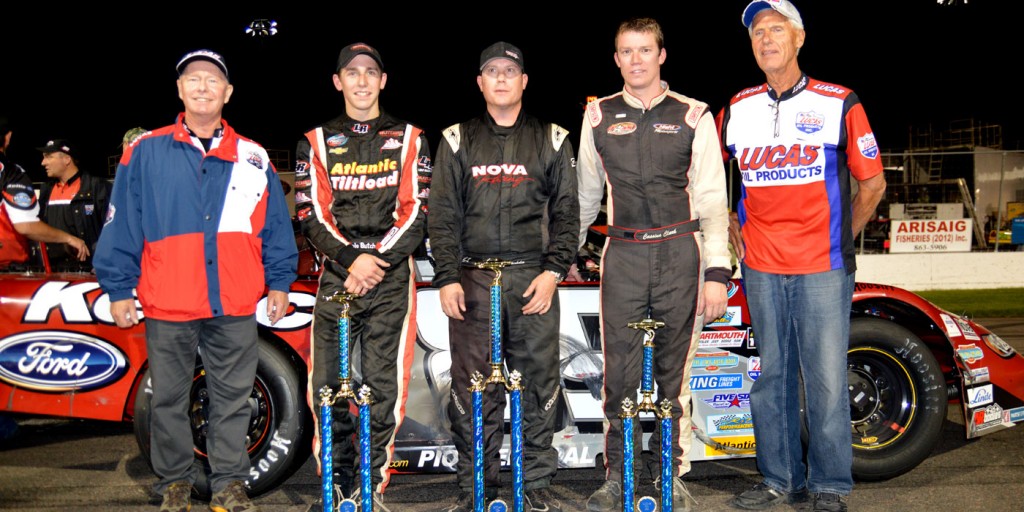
(75, 74)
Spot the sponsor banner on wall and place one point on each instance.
(930, 235)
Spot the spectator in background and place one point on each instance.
(131, 135)
(19, 212)
(73, 201)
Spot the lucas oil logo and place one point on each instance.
(59, 361)
(867, 145)
(809, 122)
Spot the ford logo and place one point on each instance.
(59, 361)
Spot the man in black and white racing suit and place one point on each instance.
(504, 187)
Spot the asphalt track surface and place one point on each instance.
(59, 465)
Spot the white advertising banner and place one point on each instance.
(930, 235)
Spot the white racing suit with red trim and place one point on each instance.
(361, 187)
(668, 222)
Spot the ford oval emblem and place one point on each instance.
(59, 361)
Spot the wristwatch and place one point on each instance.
(558, 275)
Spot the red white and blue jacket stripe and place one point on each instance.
(198, 234)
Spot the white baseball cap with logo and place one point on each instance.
(783, 7)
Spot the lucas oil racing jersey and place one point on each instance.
(796, 151)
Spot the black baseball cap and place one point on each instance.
(207, 55)
(355, 49)
(502, 50)
(56, 145)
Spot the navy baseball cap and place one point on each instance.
(206, 55)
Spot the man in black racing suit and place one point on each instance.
(505, 188)
(361, 183)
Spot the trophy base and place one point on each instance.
(497, 505)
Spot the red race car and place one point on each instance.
(62, 356)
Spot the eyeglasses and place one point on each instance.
(775, 114)
(510, 72)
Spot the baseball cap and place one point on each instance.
(56, 145)
(783, 7)
(502, 50)
(207, 55)
(355, 49)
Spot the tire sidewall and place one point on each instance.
(284, 447)
(897, 345)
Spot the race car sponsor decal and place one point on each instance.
(724, 381)
(722, 339)
(513, 174)
(741, 423)
(1014, 415)
(969, 354)
(57, 361)
(357, 168)
(361, 128)
(337, 151)
(754, 367)
(733, 316)
(742, 443)
(712, 361)
(750, 339)
(976, 376)
(730, 289)
(868, 146)
(390, 133)
(809, 122)
(967, 330)
(70, 301)
(984, 419)
(976, 397)
(779, 165)
(951, 328)
(729, 400)
(622, 128)
(391, 144)
(425, 165)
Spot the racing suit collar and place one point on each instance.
(635, 102)
(504, 130)
(801, 84)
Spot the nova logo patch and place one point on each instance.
(59, 361)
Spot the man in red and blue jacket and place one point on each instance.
(198, 226)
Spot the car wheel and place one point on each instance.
(897, 399)
(278, 439)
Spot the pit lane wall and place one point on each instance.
(943, 271)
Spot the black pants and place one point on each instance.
(382, 325)
(529, 345)
(661, 280)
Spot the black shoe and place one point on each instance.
(762, 497)
(463, 503)
(541, 500)
(828, 502)
(607, 498)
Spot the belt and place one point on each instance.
(468, 261)
(654, 235)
